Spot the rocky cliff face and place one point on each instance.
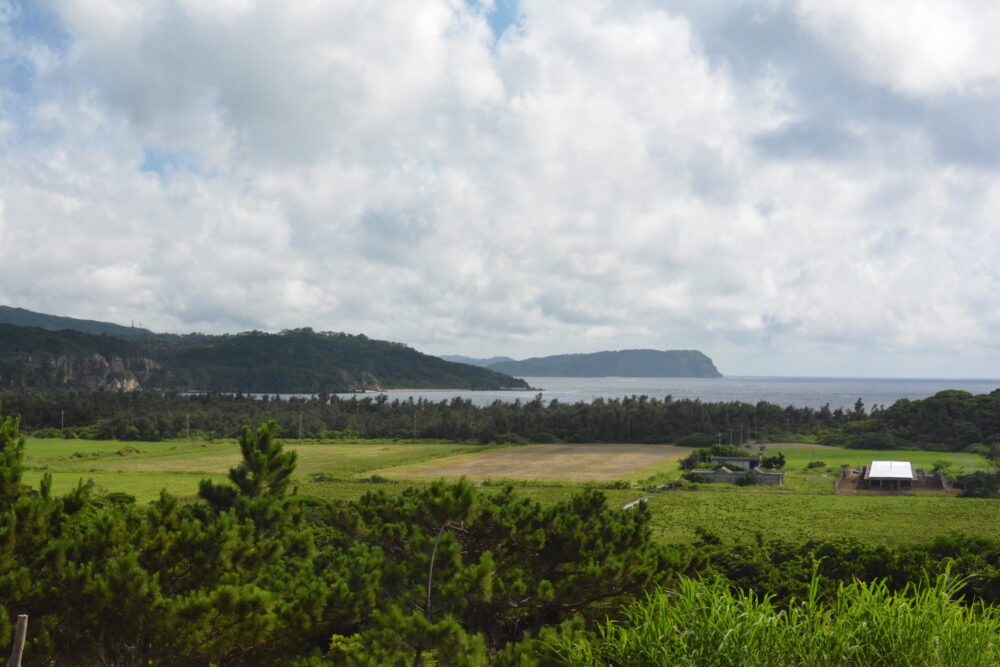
(99, 372)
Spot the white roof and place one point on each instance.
(890, 470)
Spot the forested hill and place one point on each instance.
(27, 318)
(298, 361)
(485, 363)
(622, 363)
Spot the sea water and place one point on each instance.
(813, 392)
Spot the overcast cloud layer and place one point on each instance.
(798, 188)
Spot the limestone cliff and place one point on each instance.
(86, 371)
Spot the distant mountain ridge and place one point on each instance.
(297, 361)
(473, 361)
(27, 318)
(619, 363)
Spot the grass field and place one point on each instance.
(573, 463)
(144, 468)
(805, 507)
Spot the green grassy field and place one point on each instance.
(738, 515)
(144, 468)
(805, 507)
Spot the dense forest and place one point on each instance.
(151, 415)
(449, 574)
(947, 421)
(298, 361)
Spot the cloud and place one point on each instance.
(918, 47)
(593, 175)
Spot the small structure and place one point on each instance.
(755, 475)
(887, 476)
(743, 462)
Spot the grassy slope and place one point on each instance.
(804, 508)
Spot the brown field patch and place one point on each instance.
(549, 462)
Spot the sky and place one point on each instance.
(794, 187)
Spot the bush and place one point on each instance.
(774, 462)
(980, 485)
(48, 433)
(703, 622)
(812, 465)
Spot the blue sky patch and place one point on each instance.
(163, 160)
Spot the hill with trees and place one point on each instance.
(27, 318)
(474, 361)
(296, 361)
(620, 363)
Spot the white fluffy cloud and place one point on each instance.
(920, 47)
(590, 179)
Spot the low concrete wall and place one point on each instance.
(726, 476)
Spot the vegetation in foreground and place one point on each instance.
(445, 574)
(251, 575)
(704, 623)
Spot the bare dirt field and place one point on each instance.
(549, 462)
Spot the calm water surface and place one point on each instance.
(811, 392)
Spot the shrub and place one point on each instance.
(775, 462)
(812, 465)
(510, 439)
(703, 622)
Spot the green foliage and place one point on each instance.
(148, 416)
(784, 568)
(704, 623)
(950, 420)
(296, 361)
(11, 459)
(812, 465)
(774, 462)
(499, 565)
(980, 484)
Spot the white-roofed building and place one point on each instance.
(888, 475)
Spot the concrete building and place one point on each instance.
(755, 475)
(743, 462)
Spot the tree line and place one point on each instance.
(639, 419)
(948, 421)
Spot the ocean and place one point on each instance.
(798, 391)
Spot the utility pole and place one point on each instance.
(62, 420)
(300, 424)
(628, 426)
(414, 423)
(730, 437)
(187, 425)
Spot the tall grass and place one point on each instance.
(703, 623)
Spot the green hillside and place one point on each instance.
(299, 361)
(27, 318)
